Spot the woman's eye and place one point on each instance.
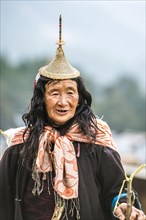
(70, 93)
(54, 93)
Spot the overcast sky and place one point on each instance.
(103, 38)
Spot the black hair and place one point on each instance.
(36, 118)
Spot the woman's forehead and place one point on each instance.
(62, 83)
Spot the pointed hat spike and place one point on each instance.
(60, 42)
(59, 67)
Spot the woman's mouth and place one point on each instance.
(62, 111)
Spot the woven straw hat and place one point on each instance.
(59, 67)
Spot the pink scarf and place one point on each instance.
(64, 156)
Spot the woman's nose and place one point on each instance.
(62, 100)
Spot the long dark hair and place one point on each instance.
(36, 118)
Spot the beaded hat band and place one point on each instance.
(59, 67)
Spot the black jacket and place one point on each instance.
(100, 178)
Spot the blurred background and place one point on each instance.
(105, 40)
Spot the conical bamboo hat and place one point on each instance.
(59, 67)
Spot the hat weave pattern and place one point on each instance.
(59, 67)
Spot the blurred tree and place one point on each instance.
(16, 87)
(123, 105)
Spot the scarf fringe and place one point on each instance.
(63, 207)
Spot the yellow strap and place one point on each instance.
(3, 133)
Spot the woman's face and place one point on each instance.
(61, 100)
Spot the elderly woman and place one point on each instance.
(64, 164)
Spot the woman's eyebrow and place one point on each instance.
(71, 88)
(53, 90)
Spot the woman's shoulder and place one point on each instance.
(105, 151)
(12, 152)
(9, 160)
(101, 152)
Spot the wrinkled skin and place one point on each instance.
(61, 100)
